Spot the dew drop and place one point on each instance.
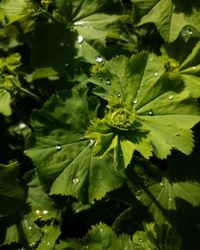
(140, 239)
(194, 67)
(99, 59)
(135, 101)
(75, 180)
(22, 126)
(66, 64)
(62, 44)
(119, 95)
(161, 184)
(29, 227)
(48, 243)
(101, 230)
(150, 112)
(156, 73)
(80, 39)
(108, 81)
(45, 211)
(137, 197)
(32, 244)
(91, 143)
(58, 147)
(170, 199)
(4, 90)
(37, 211)
(170, 97)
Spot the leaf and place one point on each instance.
(170, 17)
(94, 24)
(11, 194)
(55, 50)
(42, 207)
(63, 158)
(186, 59)
(41, 73)
(20, 230)
(99, 237)
(5, 102)
(51, 234)
(16, 10)
(164, 111)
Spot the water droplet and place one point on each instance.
(150, 112)
(75, 180)
(101, 230)
(62, 44)
(58, 147)
(48, 243)
(85, 247)
(156, 73)
(170, 199)
(140, 239)
(29, 227)
(80, 39)
(137, 197)
(45, 211)
(170, 97)
(135, 101)
(108, 81)
(119, 95)
(91, 143)
(32, 244)
(66, 64)
(37, 211)
(22, 126)
(194, 67)
(99, 59)
(189, 31)
(161, 184)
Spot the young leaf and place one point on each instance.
(163, 111)
(5, 102)
(63, 158)
(11, 194)
(170, 17)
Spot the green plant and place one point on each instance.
(99, 104)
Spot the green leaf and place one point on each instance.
(63, 158)
(164, 112)
(5, 102)
(94, 24)
(19, 229)
(42, 207)
(11, 194)
(170, 17)
(51, 234)
(186, 61)
(41, 73)
(16, 10)
(99, 237)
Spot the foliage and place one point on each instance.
(99, 117)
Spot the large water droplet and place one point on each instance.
(99, 59)
(75, 180)
(37, 211)
(170, 97)
(45, 212)
(22, 126)
(135, 101)
(80, 39)
(58, 147)
(150, 112)
(156, 73)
